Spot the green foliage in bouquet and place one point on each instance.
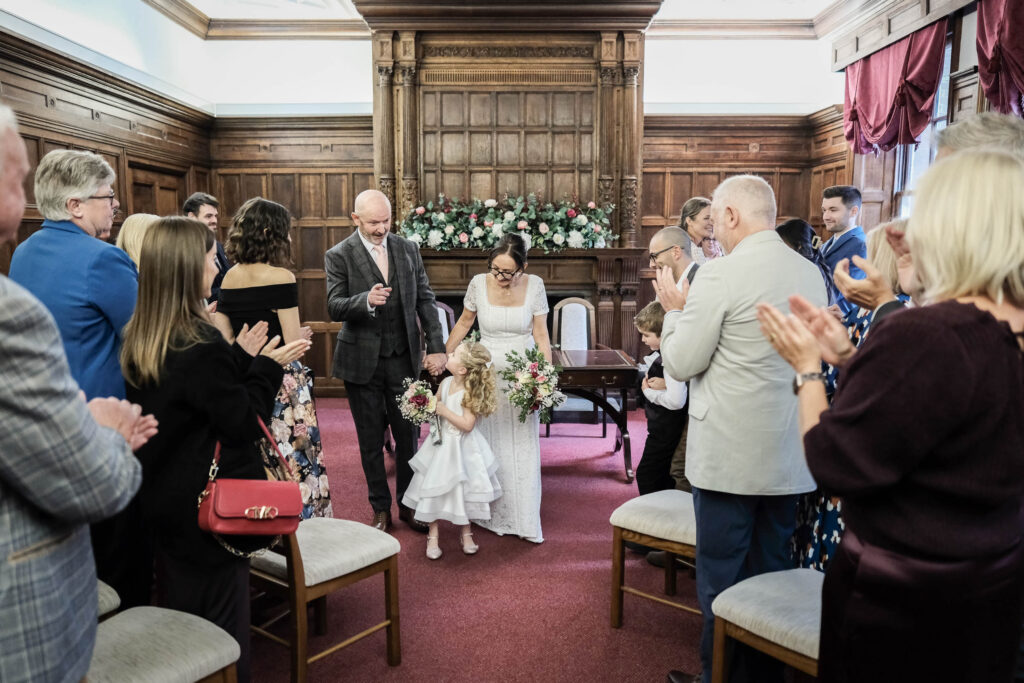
(532, 384)
(479, 224)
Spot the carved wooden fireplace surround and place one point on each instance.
(480, 99)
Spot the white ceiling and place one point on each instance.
(276, 9)
(742, 9)
(671, 9)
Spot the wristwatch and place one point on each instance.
(803, 378)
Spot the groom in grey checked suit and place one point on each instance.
(377, 286)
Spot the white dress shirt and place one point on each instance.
(673, 396)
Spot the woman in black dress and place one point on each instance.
(260, 288)
(203, 391)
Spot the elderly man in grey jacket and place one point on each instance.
(744, 456)
(63, 464)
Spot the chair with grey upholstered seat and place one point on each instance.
(156, 645)
(663, 520)
(778, 613)
(109, 601)
(323, 556)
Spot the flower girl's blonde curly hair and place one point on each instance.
(481, 383)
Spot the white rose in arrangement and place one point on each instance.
(498, 230)
(478, 232)
(417, 239)
(581, 220)
(543, 390)
(558, 239)
(491, 203)
(440, 217)
(510, 216)
(523, 377)
(600, 243)
(449, 229)
(575, 239)
(434, 238)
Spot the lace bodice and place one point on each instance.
(509, 327)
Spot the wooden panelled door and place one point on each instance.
(157, 192)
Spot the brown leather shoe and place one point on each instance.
(406, 515)
(680, 677)
(381, 520)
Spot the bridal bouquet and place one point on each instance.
(532, 384)
(417, 405)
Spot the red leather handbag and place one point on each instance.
(249, 507)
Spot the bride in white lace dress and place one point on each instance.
(512, 308)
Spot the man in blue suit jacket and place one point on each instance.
(840, 211)
(89, 286)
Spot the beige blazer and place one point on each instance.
(743, 431)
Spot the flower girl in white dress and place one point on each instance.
(455, 479)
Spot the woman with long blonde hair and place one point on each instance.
(923, 443)
(454, 479)
(204, 392)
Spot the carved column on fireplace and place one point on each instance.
(409, 158)
(606, 290)
(611, 80)
(384, 116)
(630, 159)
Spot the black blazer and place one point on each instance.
(207, 392)
(351, 273)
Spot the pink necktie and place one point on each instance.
(381, 255)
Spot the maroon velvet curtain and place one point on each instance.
(889, 94)
(1001, 53)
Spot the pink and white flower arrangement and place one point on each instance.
(532, 384)
(549, 226)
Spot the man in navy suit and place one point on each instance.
(840, 211)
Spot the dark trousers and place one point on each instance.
(739, 537)
(124, 558)
(218, 593)
(654, 473)
(374, 407)
(898, 617)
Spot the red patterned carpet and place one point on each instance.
(515, 611)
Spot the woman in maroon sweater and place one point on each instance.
(925, 444)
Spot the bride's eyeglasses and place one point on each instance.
(504, 274)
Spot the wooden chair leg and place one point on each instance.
(604, 415)
(394, 641)
(618, 576)
(300, 637)
(320, 615)
(670, 574)
(718, 655)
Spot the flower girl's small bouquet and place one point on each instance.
(532, 384)
(417, 404)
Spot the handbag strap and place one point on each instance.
(215, 465)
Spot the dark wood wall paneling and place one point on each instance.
(315, 166)
(158, 147)
(687, 156)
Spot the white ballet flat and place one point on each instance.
(472, 547)
(433, 553)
